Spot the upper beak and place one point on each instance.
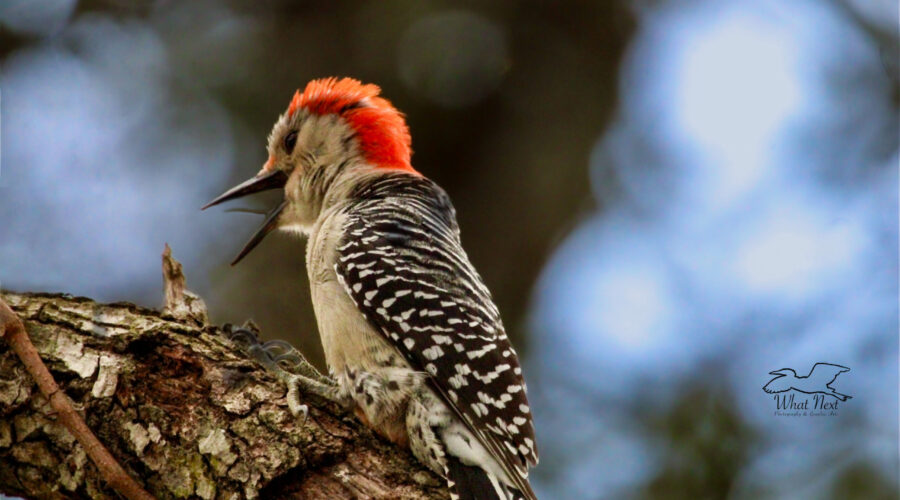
(263, 182)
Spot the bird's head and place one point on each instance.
(334, 126)
(784, 372)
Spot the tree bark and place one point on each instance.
(183, 410)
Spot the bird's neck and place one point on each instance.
(323, 188)
(348, 182)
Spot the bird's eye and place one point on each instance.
(290, 141)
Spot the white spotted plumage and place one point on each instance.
(402, 237)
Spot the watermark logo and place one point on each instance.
(810, 395)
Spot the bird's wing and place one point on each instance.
(828, 371)
(401, 262)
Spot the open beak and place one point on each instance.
(263, 182)
(268, 226)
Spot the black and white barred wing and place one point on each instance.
(406, 270)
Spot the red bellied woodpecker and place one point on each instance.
(411, 335)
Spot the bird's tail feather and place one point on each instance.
(469, 482)
(842, 397)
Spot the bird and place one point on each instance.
(414, 343)
(819, 380)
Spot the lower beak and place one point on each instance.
(263, 182)
(268, 226)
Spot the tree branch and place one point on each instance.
(13, 332)
(181, 409)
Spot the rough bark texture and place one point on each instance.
(184, 412)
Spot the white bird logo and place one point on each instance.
(818, 381)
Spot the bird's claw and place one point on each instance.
(278, 347)
(245, 336)
(299, 410)
(284, 355)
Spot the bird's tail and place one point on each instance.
(842, 397)
(469, 482)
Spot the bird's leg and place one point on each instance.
(289, 366)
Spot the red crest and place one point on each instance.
(381, 130)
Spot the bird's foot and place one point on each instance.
(276, 355)
(288, 365)
(290, 360)
(329, 391)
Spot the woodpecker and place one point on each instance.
(414, 343)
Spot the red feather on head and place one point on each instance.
(380, 129)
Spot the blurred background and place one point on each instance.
(668, 199)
